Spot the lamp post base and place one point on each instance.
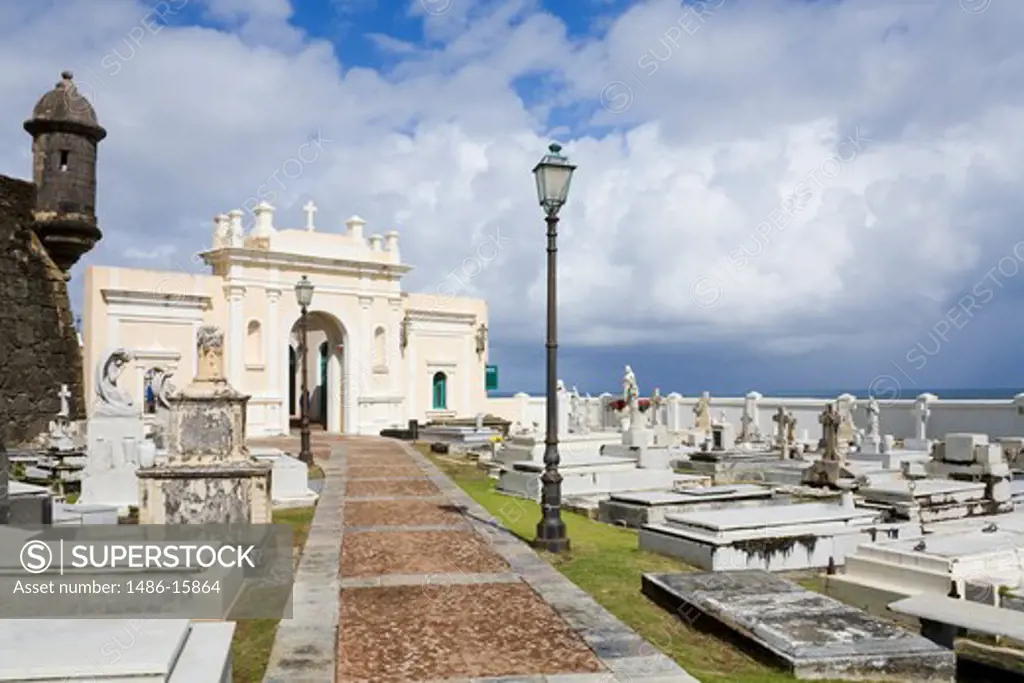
(305, 452)
(551, 537)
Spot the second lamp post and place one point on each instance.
(553, 174)
(304, 297)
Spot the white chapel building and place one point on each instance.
(377, 356)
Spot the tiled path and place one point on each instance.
(433, 590)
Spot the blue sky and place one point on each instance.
(776, 195)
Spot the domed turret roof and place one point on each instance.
(65, 104)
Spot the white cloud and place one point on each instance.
(751, 110)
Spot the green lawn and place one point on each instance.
(606, 563)
(253, 639)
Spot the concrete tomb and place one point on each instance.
(970, 457)
(977, 559)
(811, 635)
(777, 538)
(927, 500)
(289, 481)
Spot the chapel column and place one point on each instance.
(364, 349)
(393, 352)
(272, 336)
(468, 408)
(236, 335)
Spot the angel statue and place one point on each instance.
(111, 401)
(630, 389)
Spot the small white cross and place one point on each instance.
(310, 209)
(64, 395)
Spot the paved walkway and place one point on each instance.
(433, 590)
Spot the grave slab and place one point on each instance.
(115, 650)
(635, 509)
(811, 635)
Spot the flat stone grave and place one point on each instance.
(777, 537)
(924, 492)
(133, 650)
(636, 508)
(811, 635)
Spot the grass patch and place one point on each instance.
(606, 562)
(254, 638)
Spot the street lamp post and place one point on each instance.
(304, 296)
(553, 174)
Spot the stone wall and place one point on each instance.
(39, 348)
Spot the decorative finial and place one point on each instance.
(67, 75)
(554, 148)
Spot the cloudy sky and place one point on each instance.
(771, 194)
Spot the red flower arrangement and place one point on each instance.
(620, 404)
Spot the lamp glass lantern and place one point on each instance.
(553, 174)
(304, 292)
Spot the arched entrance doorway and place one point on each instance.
(326, 363)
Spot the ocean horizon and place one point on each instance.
(881, 393)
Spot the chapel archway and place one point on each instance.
(326, 364)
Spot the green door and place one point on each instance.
(440, 391)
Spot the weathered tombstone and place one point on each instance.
(208, 475)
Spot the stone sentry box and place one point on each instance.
(208, 475)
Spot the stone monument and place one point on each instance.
(115, 433)
(750, 429)
(630, 397)
(872, 441)
(208, 475)
(564, 409)
(702, 415)
(829, 468)
(922, 411)
(638, 434)
(847, 435)
(791, 445)
(784, 426)
(657, 402)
